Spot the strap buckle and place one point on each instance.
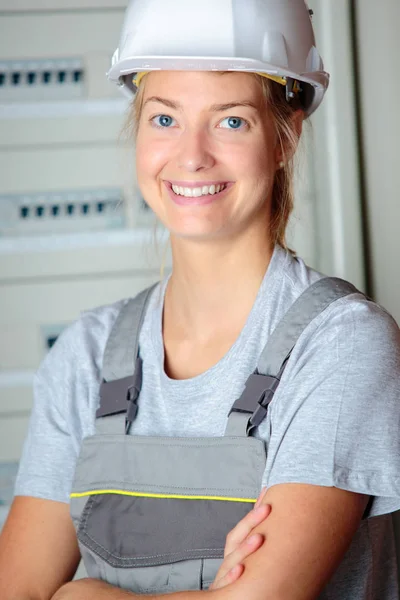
(263, 402)
(132, 395)
(256, 396)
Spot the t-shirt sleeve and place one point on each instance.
(335, 419)
(65, 396)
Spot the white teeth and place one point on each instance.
(197, 192)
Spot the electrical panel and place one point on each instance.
(74, 210)
(51, 55)
(35, 80)
(74, 230)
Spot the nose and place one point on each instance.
(194, 153)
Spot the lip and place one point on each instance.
(199, 201)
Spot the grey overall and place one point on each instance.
(152, 513)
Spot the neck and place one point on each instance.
(213, 286)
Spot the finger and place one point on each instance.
(245, 527)
(245, 549)
(230, 577)
(260, 497)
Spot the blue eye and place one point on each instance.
(165, 121)
(234, 122)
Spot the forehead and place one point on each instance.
(203, 86)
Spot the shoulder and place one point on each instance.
(66, 384)
(352, 324)
(335, 416)
(76, 359)
(84, 340)
(351, 344)
(66, 395)
(353, 317)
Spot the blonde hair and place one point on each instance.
(282, 111)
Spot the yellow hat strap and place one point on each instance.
(282, 80)
(138, 78)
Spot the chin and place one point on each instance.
(195, 236)
(199, 234)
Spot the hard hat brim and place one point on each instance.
(319, 80)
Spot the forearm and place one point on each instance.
(23, 597)
(85, 589)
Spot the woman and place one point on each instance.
(214, 162)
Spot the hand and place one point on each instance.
(239, 545)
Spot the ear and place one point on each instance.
(297, 120)
(289, 142)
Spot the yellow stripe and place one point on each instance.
(146, 495)
(139, 76)
(276, 78)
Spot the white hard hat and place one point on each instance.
(274, 38)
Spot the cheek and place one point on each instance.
(257, 166)
(147, 161)
(150, 160)
(257, 157)
(151, 156)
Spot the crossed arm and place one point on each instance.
(298, 548)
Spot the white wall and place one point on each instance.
(378, 45)
(378, 50)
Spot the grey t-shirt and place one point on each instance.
(334, 420)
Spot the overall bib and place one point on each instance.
(152, 513)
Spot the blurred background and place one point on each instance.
(74, 230)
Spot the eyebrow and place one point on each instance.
(213, 107)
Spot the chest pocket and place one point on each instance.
(167, 534)
(130, 552)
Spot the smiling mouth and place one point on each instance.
(198, 192)
(198, 199)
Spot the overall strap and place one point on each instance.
(122, 366)
(251, 408)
